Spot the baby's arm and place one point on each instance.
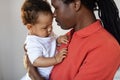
(50, 61)
(32, 71)
(62, 39)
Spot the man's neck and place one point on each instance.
(87, 18)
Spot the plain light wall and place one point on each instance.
(12, 36)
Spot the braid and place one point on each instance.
(109, 14)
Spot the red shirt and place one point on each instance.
(93, 54)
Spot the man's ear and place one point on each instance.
(29, 26)
(77, 5)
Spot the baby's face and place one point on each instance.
(43, 27)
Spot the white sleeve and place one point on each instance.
(34, 50)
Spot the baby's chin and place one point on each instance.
(47, 35)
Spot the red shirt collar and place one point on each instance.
(90, 29)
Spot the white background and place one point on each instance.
(12, 36)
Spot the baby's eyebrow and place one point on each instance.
(44, 26)
(49, 24)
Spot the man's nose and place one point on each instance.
(54, 14)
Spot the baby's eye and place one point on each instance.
(45, 27)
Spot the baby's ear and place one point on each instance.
(29, 26)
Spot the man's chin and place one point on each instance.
(58, 24)
(62, 27)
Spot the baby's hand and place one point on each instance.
(62, 39)
(61, 55)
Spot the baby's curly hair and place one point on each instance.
(31, 9)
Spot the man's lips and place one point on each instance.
(57, 22)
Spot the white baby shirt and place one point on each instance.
(39, 46)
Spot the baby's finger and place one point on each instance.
(65, 41)
(63, 56)
(64, 50)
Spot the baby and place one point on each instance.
(41, 41)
